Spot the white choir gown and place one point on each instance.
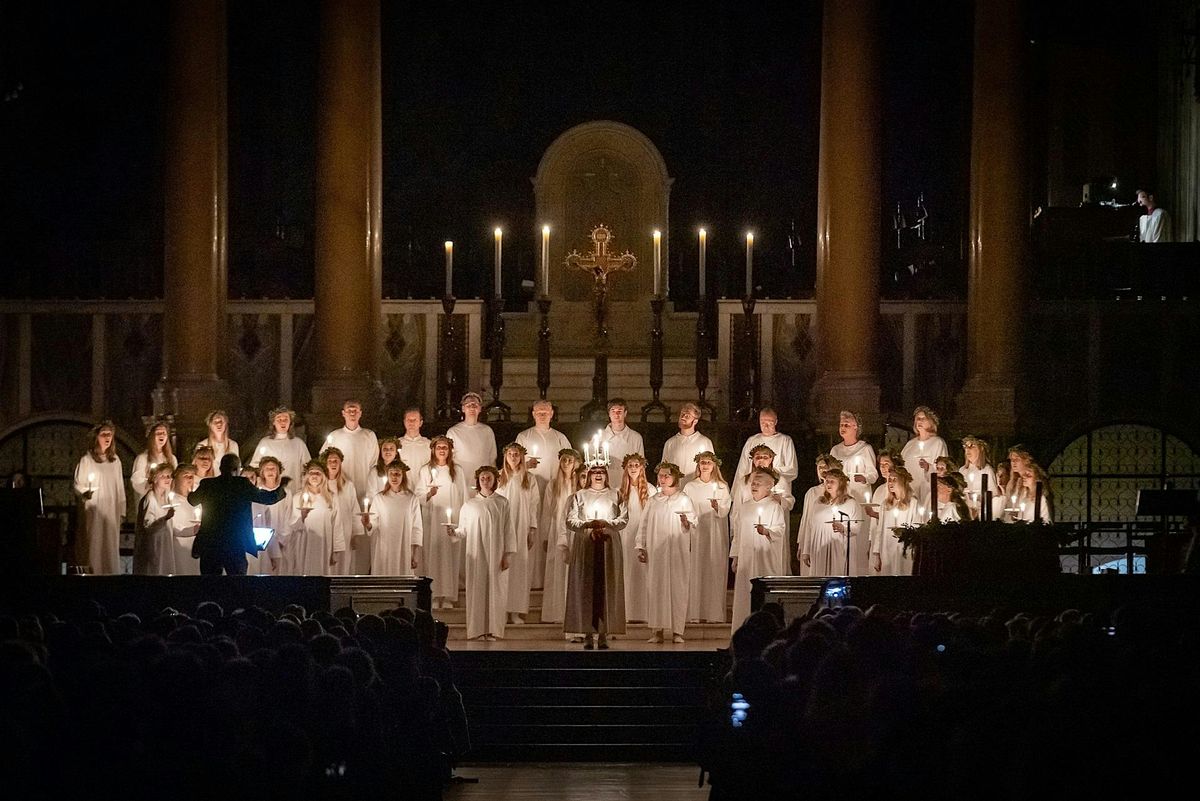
(709, 573)
(474, 446)
(99, 538)
(620, 444)
(183, 530)
(139, 477)
(893, 561)
(785, 456)
(524, 507)
(858, 460)
(414, 452)
(274, 516)
(553, 525)
(486, 527)
(635, 571)
(804, 532)
(312, 541)
(440, 554)
(781, 494)
(291, 452)
(153, 545)
(681, 451)
(396, 526)
(360, 448)
(544, 446)
(916, 450)
(668, 559)
(757, 555)
(356, 559)
(828, 547)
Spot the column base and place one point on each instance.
(987, 407)
(856, 392)
(330, 392)
(189, 399)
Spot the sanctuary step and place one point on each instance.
(571, 383)
(583, 706)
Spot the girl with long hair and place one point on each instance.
(393, 523)
(553, 524)
(837, 518)
(218, 437)
(898, 509)
(441, 490)
(315, 543)
(157, 452)
(709, 574)
(100, 487)
(636, 492)
(520, 487)
(356, 561)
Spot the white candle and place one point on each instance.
(545, 260)
(306, 501)
(499, 255)
(448, 513)
(657, 261)
(91, 482)
(170, 497)
(586, 456)
(533, 451)
(433, 473)
(606, 452)
(366, 504)
(703, 252)
(199, 512)
(449, 268)
(749, 265)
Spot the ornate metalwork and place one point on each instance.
(656, 363)
(448, 408)
(497, 409)
(748, 354)
(702, 359)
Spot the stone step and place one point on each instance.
(553, 632)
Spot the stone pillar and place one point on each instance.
(998, 227)
(194, 187)
(348, 211)
(848, 214)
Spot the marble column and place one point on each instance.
(998, 226)
(848, 214)
(194, 187)
(348, 210)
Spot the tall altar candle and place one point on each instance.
(545, 260)
(499, 253)
(703, 250)
(749, 265)
(449, 268)
(657, 261)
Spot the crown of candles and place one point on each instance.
(595, 453)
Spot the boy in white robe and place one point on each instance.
(542, 443)
(474, 442)
(755, 550)
(484, 524)
(414, 448)
(359, 447)
(621, 441)
(681, 449)
(664, 543)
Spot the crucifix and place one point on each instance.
(600, 263)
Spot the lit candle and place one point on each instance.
(448, 513)
(366, 504)
(449, 268)
(433, 473)
(170, 498)
(306, 501)
(499, 252)
(199, 512)
(91, 482)
(329, 439)
(657, 261)
(703, 252)
(586, 456)
(545, 260)
(606, 452)
(533, 451)
(749, 264)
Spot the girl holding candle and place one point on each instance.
(840, 516)
(315, 544)
(441, 491)
(202, 460)
(952, 503)
(347, 519)
(899, 508)
(392, 519)
(283, 444)
(484, 525)
(663, 542)
(781, 493)
(812, 511)
(709, 574)
(975, 467)
(635, 493)
(1019, 461)
(1027, 494)
(158, 452)
(218, 436)
(591, 546)
(754, 550)
(389, 452)
(273, 516)
(100, 485)
(921, 452)
(153, 545)
(856, 455)
(520, 487)
(551, 524)
(185, 523)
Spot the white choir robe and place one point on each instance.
(486, 527)
(360, 448)
(681, 451)
(1024, 511)
(312, 542)
(544, 446)
(757, 555)
(804, 532)
(635, 571)
(474, 446)
(781, 493)
(893, 561)
(914, 451)
(184, 526)
(668, 559)
(974, 489)
(621, 444)
(828, 547)
(551, 529)
(524, 507)
(291, 452)
(948, 512)
(709, 574)
(396, 527)
(139, 477)
(785, 456)
(877, 497)
(440, 553)
(858, 460)
(356, 560)
(274, 516)
(99, 542)
(219, 450)
(414, 452)
(153, 545)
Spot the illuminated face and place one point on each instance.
(514, 459)
(597, 478)
(705, 468)
(767, 421)
(832, 486)
(885, 467)
(396, 480)
(687, 420)
(921, 423)
(270, 473)
(412, 424)
(635, 468)
(282, 422)
(542, 414)
(218, 426)
(1028, 480)
(971, 451)
(822, 469)
(487, 482)
(441, 452)
(351, 413)
(160, 437)
(1019, 463)
(388, 452)
(313, 480)
(893, 483)
(760, 485)
(471, 409)
(616, 416)
(665, 479)
(762, 459)
(185, 484)
(333, 463)
(162, 481)
(848, 429)
(203, 462)
(105, 438)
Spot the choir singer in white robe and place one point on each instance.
(153, 545)
(542, 443)
(782, 445)
(636, 493)
(392, 520)
(484, 524)
(360, 451)
(474, 442)
(621, 441)
(837, 518)
(899, 508)
(592, 550)
(520, 487)
(664, 543)
(100, 486)
(811, 511)
(442, 490)
(709, 575)
(754, 550)
(921, 452)
(284, 445)
(856, 455)
(681, 449)
(414, 448)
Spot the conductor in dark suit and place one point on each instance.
(227, 530)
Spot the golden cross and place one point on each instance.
(600, 262)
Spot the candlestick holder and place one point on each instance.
(543, 358)
(597, 407)
(449, 392)
(656, 363)
(702, 360)
(748, 355)
(501, 410)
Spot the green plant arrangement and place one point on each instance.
(974, 547)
